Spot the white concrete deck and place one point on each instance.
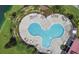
(45, 23)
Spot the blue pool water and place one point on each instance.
(55, 31)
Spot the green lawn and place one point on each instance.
(5, 35)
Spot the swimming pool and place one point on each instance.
(55, 31)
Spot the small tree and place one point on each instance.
(13, 14)
(63, 47)
(78, 30)
(70, 16)
(11, 43)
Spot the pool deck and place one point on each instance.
(45, 23)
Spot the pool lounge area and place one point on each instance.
(47, 34)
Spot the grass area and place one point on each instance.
(5, 34)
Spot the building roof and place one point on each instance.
(75, 47)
